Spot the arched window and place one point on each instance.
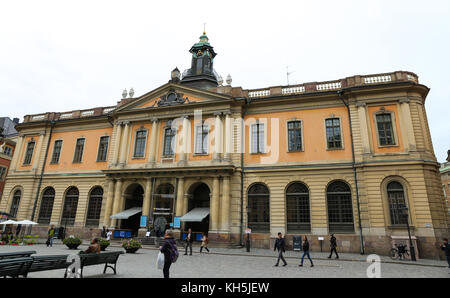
(259, 213)
(297, 208)
(397, 203)
(95, 207)
(70, 206)
(45, 212)
(340, 208)
(15, 203)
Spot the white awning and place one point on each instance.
(195, 215)
(127, 213)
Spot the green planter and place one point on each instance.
(72, 242)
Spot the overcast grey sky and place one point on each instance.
(64, 55)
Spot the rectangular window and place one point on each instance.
(201, 139)
(258, 138)
(56, 151)
(139, 145)
(2, 173)
(103, 148)
(333, 130)
(79, 150)
(385, 131)
(7, 150)
(169, 135)
(29, 153)
(295, 136)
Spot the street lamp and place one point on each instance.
(247, 243)
(404, 211)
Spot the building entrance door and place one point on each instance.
(199, 198)
(134, 197)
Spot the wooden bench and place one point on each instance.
(51, 262)
(15, 267)
(19, 254)
(108, 258)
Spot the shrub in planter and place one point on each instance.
(29, 240)
(72, 242)
(131, 246)
(104, 244)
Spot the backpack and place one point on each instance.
(173, 252)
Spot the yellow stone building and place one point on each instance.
(343, 157)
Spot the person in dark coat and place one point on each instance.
(305, 248)
(280, 245)
(446, 248)
(333, 245)
(169, 249)
(189, 240)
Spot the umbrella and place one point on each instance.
(8, 222)
(26, 222)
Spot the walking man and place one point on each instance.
(281, 246)
(333, 245)
(446, 248)
(189, 240)
(305, 248)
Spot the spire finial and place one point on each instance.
(204, 28)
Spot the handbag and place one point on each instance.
(160, 261)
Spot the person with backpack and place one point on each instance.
(305, 248)
(333, 245)
(170, 251)
(204, 243)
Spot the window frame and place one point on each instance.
(201, 125)
(43, 220)
(393, 124)
(264, 226)
(302, 149)
(16, 210)
(141, 129)
(303, 225)
(63, 220)
(26, 153)
(107, 148)
(10, 150)
(94, 222)
(3, 171)
(333, 227)
(174, 135)
(340, 128)
(258, 123)
(399, 224)
(53, 152)
(75, 152)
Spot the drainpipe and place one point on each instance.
(52, 124)
(242, 175)
(361, 239)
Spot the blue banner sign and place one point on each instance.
(143, 221)
(176, 222)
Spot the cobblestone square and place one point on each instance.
(237, 263)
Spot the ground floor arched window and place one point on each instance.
(340, 208)
(45, 211)
(70, 206)
(15, 203)
(94, 207)
(297, 208)
(259, 204)
(397, 203)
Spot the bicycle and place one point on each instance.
(399, 252)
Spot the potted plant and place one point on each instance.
(72, 242)
(104, 244)
(131, 246)
(14, 241)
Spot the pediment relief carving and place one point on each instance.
(171, 98)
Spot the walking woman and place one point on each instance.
(305, 248)
(204, 242)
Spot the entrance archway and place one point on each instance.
(199, 197)
(163, 208)
(134, 197)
